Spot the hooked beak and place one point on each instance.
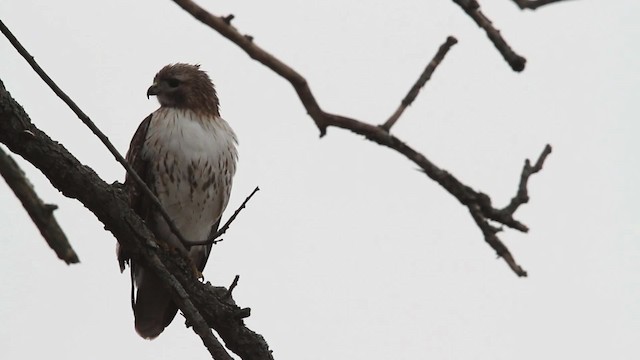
(153, 90)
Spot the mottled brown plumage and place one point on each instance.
(186, 154)
(184, 86)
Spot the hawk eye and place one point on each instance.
(173, 83)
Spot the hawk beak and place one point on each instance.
(153, 90)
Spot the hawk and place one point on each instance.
(186, 153)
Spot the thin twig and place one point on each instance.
(522, 196)
(41, 213)
(87, 121)
(472, 8)
(534, 4)
(231, 287)
(228, 18)
(225, 227)
(422, 80)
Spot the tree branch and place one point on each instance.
(41, 213)
(472, 8)
(200, 327)
(110, 205)
(213, 238)
(245, 42)
(478, 203)
(534, 4)
(422, 80)
(87, 121)
(522, 196)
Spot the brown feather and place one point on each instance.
(137, 200)
(185, 141)
(185, 86)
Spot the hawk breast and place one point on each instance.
(192, 161)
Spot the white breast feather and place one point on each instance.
(193, 160)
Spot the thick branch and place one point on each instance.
(111, 207)
(534, 4)
(478, 203)
(41, 213)
(422, 80)
(472, 8)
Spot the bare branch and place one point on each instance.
(225, 227)
(232, 287)
(522, 196)
(492, 239)
(228, 18)
(246, 43)
(87, 121)
(534, 4)
(478, 203)
(200, 327)
(110, 205)
(472, 8)
(422, 80)
(41, 213)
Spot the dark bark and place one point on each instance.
(110, 205)
(40, 213)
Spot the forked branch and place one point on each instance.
(202, 305)
(422, 80)
(478, 203)
(534, 4)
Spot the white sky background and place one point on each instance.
(348, 252)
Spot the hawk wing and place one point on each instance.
(152, 305)
(137, 200)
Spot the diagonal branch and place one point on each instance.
(422, 80)
(522, 196)
(217, 351)
(213, 239)
(534, 4)
(87, 121)
(478, 203)
(41, 213)
(472, 8)
(110, 205)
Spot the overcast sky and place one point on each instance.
(348, 252)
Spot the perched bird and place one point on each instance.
(186, 153)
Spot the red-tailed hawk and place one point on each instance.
(186, 153)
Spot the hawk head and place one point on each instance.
(185, 86)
